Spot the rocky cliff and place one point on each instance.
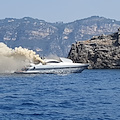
(100, 51)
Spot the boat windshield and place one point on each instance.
(53, 62)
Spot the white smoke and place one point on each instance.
(52, 56)
(15, 59)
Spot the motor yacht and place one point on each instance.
(61, 65)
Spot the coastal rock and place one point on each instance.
(100, 51)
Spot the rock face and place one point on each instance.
(100, 51)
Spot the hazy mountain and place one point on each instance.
(53, 38)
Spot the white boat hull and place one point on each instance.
(52, 71)
(52, 67)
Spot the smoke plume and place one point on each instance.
(12, 60)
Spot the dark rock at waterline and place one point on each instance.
(100, 51)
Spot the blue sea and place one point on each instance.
(90, 95)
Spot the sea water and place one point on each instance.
(90, 95)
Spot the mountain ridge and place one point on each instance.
(52, 38)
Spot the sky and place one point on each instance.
(59, 10)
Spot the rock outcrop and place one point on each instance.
(100, 51)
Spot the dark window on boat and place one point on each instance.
(53, 62)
